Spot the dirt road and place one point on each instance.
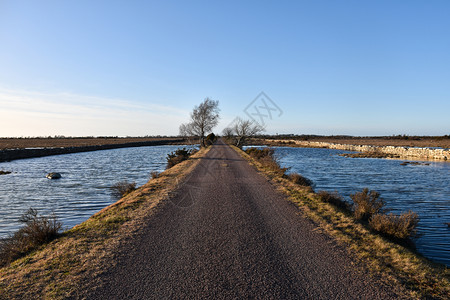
(227, 234)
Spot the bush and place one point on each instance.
(366, 204)
(154, 174)
(210, 139)
(266, 157)
(38, 230)
(334, 199)
(299, 179)
(178, 156)
(260, 153)
(123, 188)
(397, 226)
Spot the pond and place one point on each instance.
(85, 186)
(423, 188)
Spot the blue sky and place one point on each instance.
(133, 68)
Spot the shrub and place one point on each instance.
(178, 156)
(397, 226)
(299, 179)
(123, 188)
(266, 157)
(334, 199)
(260, 153)
(37, 231)
(154, 174)
(366, 204)
(210, 139)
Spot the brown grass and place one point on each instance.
(336, 200)
(366, 204)
(299, 179)
(80, 255)
(123, 188)
(397, 226)
(398, 266)
(37, 231)
(19, 143)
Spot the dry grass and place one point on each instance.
(336, 200)
(62, 267)
(398, 227)
(366, 204)
(37, 231)
(178, 156)
(394, 264)
(267, 158)
(123, 188)
(20, 143)
(299, 179)
(154, 174)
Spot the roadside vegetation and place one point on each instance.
(380, 240)
(37, 231)
(123, 188)
(178, 156)
(75, 258)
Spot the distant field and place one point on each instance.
(443, 142)
(20, 143)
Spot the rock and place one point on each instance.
(4, 172)
(53, 175)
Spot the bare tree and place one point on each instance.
(242, 130)
(203, 119)
(228, 133)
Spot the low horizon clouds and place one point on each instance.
(31, 113)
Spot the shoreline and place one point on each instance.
(400, 152)
(23, 153)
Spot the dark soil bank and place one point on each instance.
(11, 154)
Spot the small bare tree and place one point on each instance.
(203, 119)
(242, 130)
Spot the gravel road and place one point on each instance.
(228, 234)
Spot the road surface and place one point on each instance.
(228, 234)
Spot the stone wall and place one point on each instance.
(404, 152)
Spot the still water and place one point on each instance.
(424, 189)
(84, 188)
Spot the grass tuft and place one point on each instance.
(267, 158)
(154, 174)
(123, 188)
(299, 179)
(366, 204)
(178, 156)
(38, 230)
(335, 199)
(396, 226)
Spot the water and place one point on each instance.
(424, 189)
(87, 178)
(84, 188)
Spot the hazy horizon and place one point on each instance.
(326, 68)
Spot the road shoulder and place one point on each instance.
(395, 265)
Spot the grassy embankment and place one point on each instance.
(59, 269)
(392, 262)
